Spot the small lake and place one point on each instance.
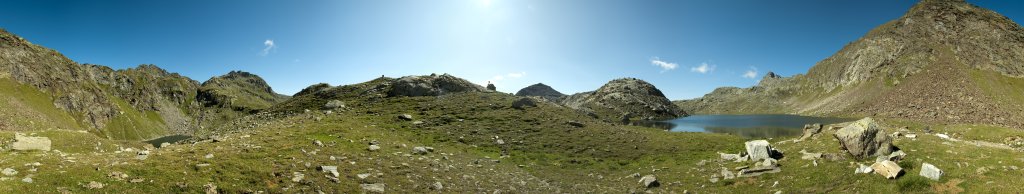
(750, 126)
(167, 139)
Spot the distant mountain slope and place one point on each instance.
(541, 90)
(54, 92)
(944, 60)
(239, 90)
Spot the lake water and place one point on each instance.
(167, 139)
(750, 126)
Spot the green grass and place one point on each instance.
(133, 124)
(23, 107)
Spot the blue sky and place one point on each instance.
(685, 48)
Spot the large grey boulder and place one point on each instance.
(864, 139)
(524, 102)
(25, 143)
(930, 171)
(759, 150)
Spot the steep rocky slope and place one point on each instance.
(943, 61)
(627, 96)
(541, 90)
(239, 90)
(136, 103)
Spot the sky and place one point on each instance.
(685, 48)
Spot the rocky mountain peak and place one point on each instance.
(626, 96)
(541, 90)
(432, 85)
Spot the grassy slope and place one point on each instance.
(24, 108)
(133, 124)
(554, 157)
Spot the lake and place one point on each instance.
(750, 126)
(167, 139)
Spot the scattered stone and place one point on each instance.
(725, 156)
(863, 169)
(894, 156)
(649, 181)
(210, 188)
(809, 155)
(524, 102)
(334, 104)
(576, 124)
(930, 171)
(810, 130)
(27, 179)
(943, 136)
(137, 180)
(419, 150)
(333, 170)
(9, 172)
(164, 144)
(500, 142)
(760, 149)
(318, 143)
(726, 174)
(887, 169)
(363, 176)
(373, 188)
(437, 186)
(25, 143)
(297, 176)
(94, 185)
(864, 139)
(373, 148)
(768, 162)
(417, 122)
(208, 156)
(405, 117)
(142, 154)
(911, 136)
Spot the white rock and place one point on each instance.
(25, 143)
(930, 171)
(419, 150)
(373, 188)
(330, 169)
(297, 176)
(373, 148)
(759, 150)
(649, 181)
(10, 172)
(863, 169)
(363, 176)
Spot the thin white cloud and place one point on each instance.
(516, 75)
(665, 66)
(704, 68)
(269, 46)
(751, 73)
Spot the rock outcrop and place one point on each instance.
(864, 139)
(26, 143)
(541, 90)
(238, 90)
(622, 96)
(432, 85)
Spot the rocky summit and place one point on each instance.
(540, 90)
(626, 96)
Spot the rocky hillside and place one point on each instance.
(943, 61)
(540, 90)
(240, 91)
(626, 98)
(136, 103)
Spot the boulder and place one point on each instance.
(649, 181)
(420, 150)
(373, 188)
(373, 148)
(810, 130)
(9, 172)
(333, 170)
(405, 117)
(864, 139)
(490, 86)
(887, 169)
(334, 104)
(25, 143)
(760, 149)
(930, 171)
(522, 103)
(863, 169)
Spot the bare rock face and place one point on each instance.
(25, 143)
(864, 139)
(432, 85)
(541, 90)
(626, 95)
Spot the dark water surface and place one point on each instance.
(167, 139)
(750, 126)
